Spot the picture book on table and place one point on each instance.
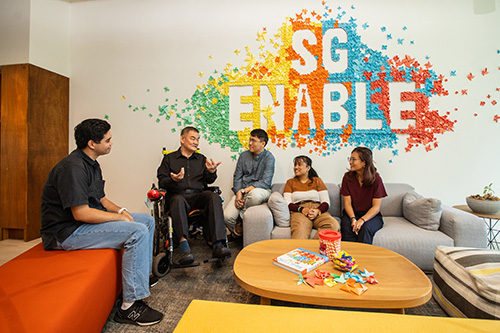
(300, 261)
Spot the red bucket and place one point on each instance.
(329, 242)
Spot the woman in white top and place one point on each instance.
(308, 201)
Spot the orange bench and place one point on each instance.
(59, 291)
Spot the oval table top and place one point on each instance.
(401, 283)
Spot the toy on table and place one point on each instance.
(344, 262)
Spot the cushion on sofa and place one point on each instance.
(423, 212)
(279, 208)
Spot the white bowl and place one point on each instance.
(488, 207)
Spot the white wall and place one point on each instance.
(36, 32)
(14, 31)
(125, 47)
(50, 35)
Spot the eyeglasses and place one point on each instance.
(352, 159)
(252, 140)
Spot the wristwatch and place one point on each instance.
(243, 191)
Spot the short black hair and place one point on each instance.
(90, 129)
(188, 129)
(261, 134)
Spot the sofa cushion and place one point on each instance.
(279, 208)
(286, 233)
(334, 194)
(423, 212)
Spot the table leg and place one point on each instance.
(492, 235)
(265, 301)
(398, 311)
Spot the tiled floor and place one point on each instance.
(11, 248)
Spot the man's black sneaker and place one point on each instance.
(139, 313)
(221, 252)
(153, 281)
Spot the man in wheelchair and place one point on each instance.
(184, 174)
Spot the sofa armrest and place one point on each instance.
(467, 230)
(257, 224)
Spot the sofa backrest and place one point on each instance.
(333, 192)
(392, 204)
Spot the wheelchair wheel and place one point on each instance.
(161, 264)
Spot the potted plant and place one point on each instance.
(487, 203)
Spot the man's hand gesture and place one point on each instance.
(178, 176)
(211, 165)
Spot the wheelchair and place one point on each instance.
(163, 243)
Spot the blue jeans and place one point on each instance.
(137, 240)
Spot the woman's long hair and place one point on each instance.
(302, 158)
(365, 155)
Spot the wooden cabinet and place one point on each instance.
(34, 109)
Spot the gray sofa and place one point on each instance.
(454, 227)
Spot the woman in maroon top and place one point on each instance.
(363, 190)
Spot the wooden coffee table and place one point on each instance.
(401, 283)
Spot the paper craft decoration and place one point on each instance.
(352, 281)
(365, 273)
(316, 85)
(329, 281)
(300, 261)
(302, 281)
(354, 287)
(343, 261)
(340, 279)
(355, 276)
(313, 280)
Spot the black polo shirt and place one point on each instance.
(76, 180)
(196, 175)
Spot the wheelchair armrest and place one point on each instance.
(215, 189)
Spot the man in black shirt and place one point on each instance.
(185, 175)
(77, 215)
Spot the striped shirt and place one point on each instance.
(295, 192)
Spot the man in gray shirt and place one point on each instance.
(252, 181)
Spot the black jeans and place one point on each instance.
(209, 204)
